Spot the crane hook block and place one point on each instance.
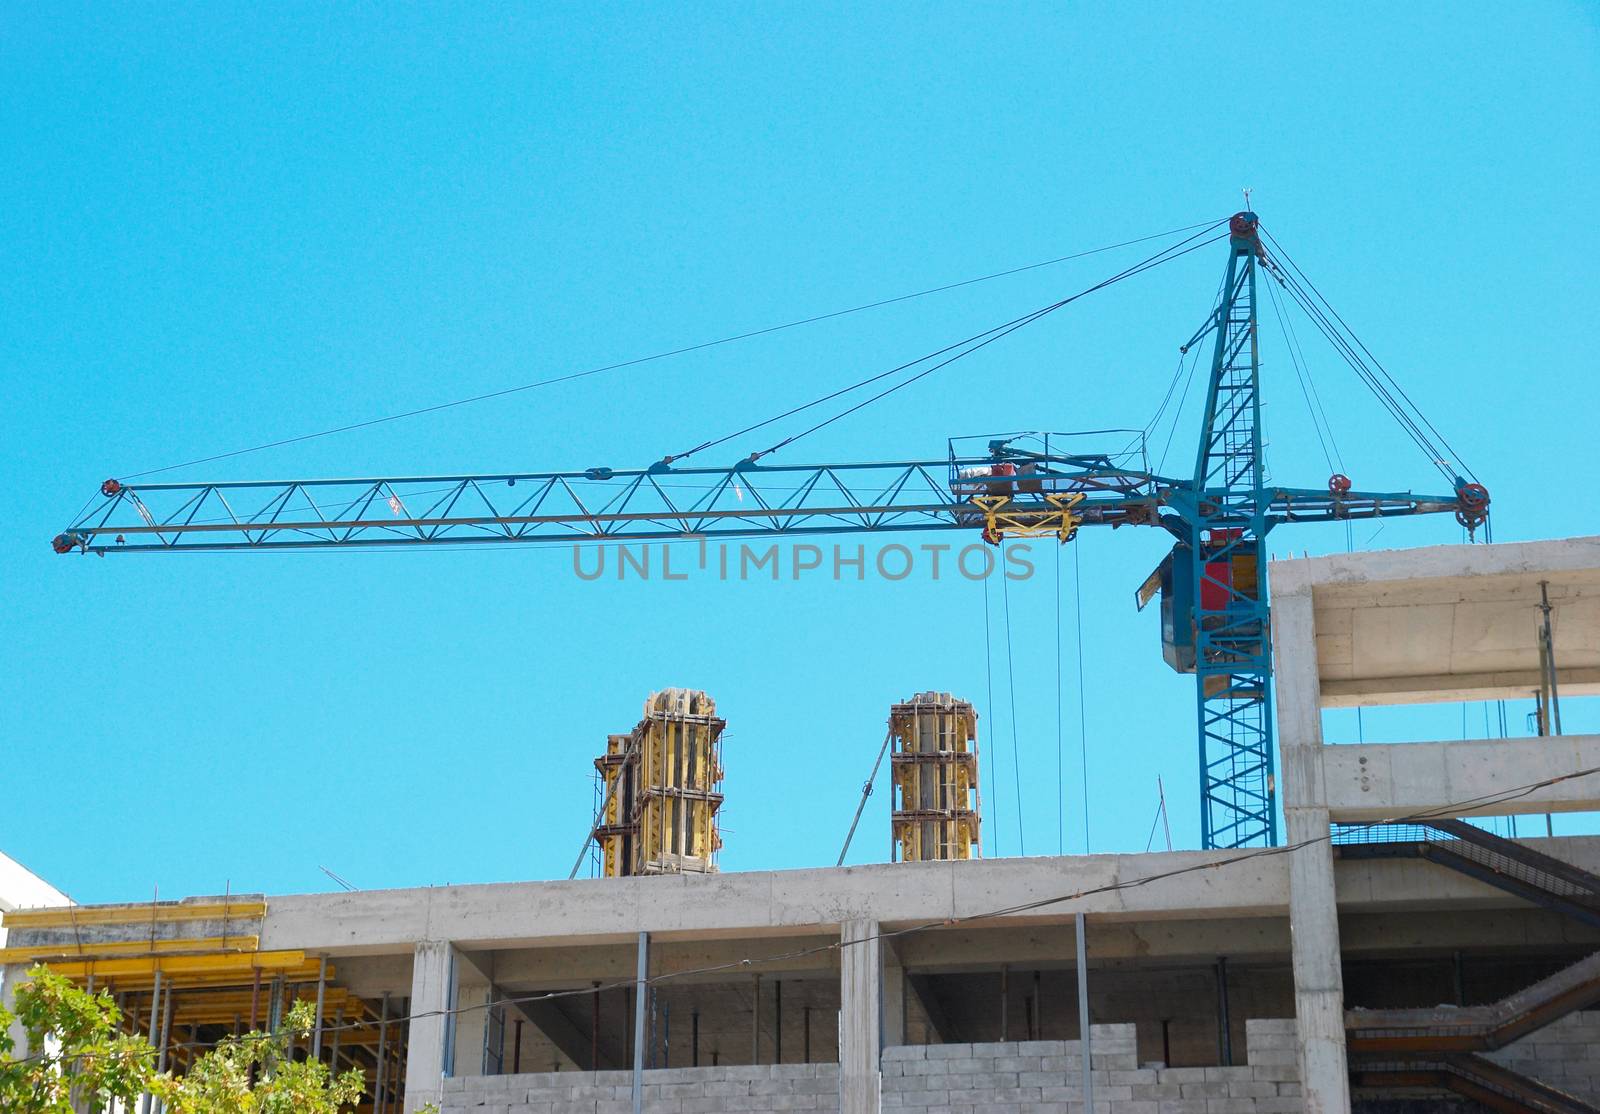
(110, 488)
(1004, 519)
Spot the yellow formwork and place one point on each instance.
(934, 758)
(663, 788)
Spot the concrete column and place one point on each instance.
(860, 1017)
(11, 977)
(430, 995)
(472, 989)
(1313, 905)
(894, 998)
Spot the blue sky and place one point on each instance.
(228, 224)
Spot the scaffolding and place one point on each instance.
(186, 975)
(663, 789)
(934, 738)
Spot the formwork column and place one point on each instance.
(430, 998)
(1313, 904)
(860, 1017)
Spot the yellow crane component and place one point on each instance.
(934, 741)
(1002, 520)
(662, 786)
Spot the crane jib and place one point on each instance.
(1215, 615)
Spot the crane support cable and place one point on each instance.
(713, 442)
(1301, 374)
(1367, 366)
(1376, 363)
(1435, 454)
(1297, 352)
(1166, 255)
(669, 353)
(1366, 375)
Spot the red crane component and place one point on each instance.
(1338, 483)
(110, 488)
(1474, 500)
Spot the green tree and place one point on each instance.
(77, 1053)
(254, 1074)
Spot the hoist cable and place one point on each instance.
(1061, 773)
(1083, 696)
(988, 670)
(1011, 681)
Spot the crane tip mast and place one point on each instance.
(1212, 585)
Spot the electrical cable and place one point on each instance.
(685, 350)
(1451, 809)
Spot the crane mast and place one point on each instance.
(1233, 668)
(1215, 614)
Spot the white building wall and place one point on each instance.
(20, 888)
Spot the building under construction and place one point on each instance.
(1448, 962)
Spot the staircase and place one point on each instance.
(1434, 1048)
(1472, 1077)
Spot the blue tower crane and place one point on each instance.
(1215, 613)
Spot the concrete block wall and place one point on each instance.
(1565, 1055)
(757, 1089)
(1037, 1076)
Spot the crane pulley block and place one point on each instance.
(1005, 518)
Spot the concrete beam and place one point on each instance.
(1358, 570)
(1449, 623)
(1365, 782)
(560, 968)
(1451, 688)
(770, 903)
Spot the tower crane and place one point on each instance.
(1215, 614)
